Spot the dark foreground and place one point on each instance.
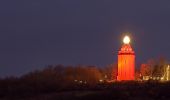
(112, 91)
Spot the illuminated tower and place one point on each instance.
(126, 61)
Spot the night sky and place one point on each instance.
(36, 33)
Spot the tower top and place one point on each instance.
(126, 40)
(126, 48)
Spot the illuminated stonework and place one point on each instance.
(126, 63)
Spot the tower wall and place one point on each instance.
(126, 63)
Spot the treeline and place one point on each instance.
(153, 68)
(56, 78)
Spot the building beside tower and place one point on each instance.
(126, 61)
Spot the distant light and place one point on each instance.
(81, 81)
(167, 73)
(75, 80)
(100, 80)
(162, 78)
(126, 40)
(105, 76)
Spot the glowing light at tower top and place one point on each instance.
(126, 40)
